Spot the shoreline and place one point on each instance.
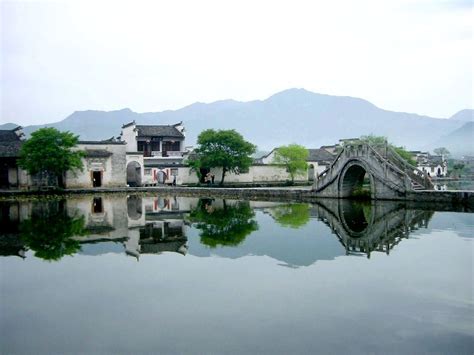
(440, 200)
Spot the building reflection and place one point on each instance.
(137, 225)
(97, 225)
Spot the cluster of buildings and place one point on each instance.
(433, 165)
(150, 155)
(145, 155)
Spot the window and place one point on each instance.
(140, 146)
(147, 172)
(174, 172)
(171, 146)
(155, 146)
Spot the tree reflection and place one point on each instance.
(49, 231)
(292, 215)
(227, 225)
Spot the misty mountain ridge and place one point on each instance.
(466, 115)
(459, 142)
(291, 116)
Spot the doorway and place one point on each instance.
(96, 178)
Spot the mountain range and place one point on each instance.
(291, 116)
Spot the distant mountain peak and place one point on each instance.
(465, 115)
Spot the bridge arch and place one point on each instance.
(352, 178)
(356, 218)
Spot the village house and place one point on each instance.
(104, 165)
(154, 153)
(434, 165)
(11, 176)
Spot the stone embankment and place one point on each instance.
(465, 198)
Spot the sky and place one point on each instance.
(58, 57)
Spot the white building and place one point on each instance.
(434, 165)
(103, 165)
(154, 153)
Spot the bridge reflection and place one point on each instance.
(137, 225)
(363, 228)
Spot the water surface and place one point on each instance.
(166, 274)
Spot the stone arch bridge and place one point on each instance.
(390, 176)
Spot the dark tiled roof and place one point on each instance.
(159, 131)
(10, 143)
(97, 153)
(8, 136)
(319, 155)
(101, 142)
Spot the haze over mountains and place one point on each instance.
(290, 116)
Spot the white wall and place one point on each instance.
(113, 168)
(129, 135)
(256, 174)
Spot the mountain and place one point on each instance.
(291, 116)
(466, 115)
(8, 126)
(459, 142)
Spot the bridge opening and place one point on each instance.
(356, 216)
(356, 183)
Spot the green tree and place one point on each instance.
(49, 153)
(374, 140)
(228, 226)
(293, 215)
(293, 157)
(49, 231)
(442, 151)
(224, 149)
(377, 141)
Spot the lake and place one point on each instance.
(174, 275)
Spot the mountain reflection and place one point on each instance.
(226, 223)
(136, 225)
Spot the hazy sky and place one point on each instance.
(62, 56)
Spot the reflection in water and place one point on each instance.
(137, 225)
(223, 224)
(363, 228)
(417, 300)
(293, 215)
(356, 215)
(49, 231)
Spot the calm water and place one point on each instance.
(146, 275)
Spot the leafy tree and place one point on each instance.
(374, 140)
(401, 151)
(224, 149)
(49, 153)
(293, 157)
(442, 151)
(227, 226)
(455, 168)
(377, 141)
(293, 215)
(49, 231)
